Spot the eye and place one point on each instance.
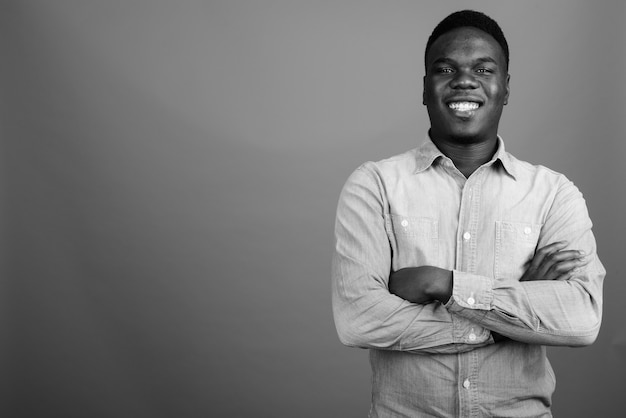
(445, 70)
(483, 70)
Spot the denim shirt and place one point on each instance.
(436, 359)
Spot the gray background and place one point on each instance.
(170, 172)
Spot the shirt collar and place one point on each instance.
(428, 153)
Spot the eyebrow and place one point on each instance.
(481, 60)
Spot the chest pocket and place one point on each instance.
(516, 243)
(414, 241)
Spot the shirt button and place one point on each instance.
(527, 230)
(467, 236)
(404, 223)
(466, 384)
(470, 301)
(472, 337)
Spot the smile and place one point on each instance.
(463, 106)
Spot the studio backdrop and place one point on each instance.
(170, 173)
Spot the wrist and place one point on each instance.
(445, 285)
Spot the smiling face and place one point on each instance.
(465, 86)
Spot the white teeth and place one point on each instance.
(463, 106)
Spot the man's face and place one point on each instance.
(465, 86)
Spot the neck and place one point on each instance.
(467, 157)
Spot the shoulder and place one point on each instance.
(397, 165)
(374, 176)
(551, 181)
(537, 172)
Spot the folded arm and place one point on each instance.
(558, 300)
(366, 313)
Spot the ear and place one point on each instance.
(508, 89)
(424, 90)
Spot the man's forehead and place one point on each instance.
(464, 41)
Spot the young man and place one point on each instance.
(455, 263)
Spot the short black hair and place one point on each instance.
(474, 19)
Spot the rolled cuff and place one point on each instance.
(471, 291)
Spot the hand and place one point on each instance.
(552, 263)
(421, 284)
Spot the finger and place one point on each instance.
(572, 273)
(566, 267)
(551, 259)
(559, 256)
(543, 252)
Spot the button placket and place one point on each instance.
(469, 220)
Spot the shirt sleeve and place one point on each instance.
(549, 312)
(366, 314)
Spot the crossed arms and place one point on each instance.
(557, 301)
(427, 284)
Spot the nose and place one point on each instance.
(463, 80)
